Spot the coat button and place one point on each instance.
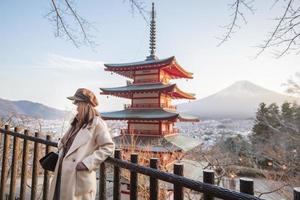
(73, 160)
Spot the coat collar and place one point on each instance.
(82, 136)
(94, 123)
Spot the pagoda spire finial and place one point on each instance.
(152, 35)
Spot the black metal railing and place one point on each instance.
(11, 153)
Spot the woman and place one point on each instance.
(85, 145)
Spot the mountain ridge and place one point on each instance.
(29, 108)
(239, 100)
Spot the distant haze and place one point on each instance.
(240, 100)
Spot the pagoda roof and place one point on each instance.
(125, 91)
(147, 114)
(157, 144)
(144, 63)
(140, 87)
(168, 64)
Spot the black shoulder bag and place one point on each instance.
(48, 162)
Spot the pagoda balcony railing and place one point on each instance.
(150, 105)
(172, 107)
(149, 132)
(175, 130)
(145, 81)
(22, 151)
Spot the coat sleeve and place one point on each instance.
(105, 147)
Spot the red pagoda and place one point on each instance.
(151, 116)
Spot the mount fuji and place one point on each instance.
(239, 101)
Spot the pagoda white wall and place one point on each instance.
(145, 101)
(150, 71)
(167, 126)
(144, 126)
(165, 99)
(146, 78)
(149, 94)
(145, 98)
(164, 77)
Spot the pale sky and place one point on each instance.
(37, 66)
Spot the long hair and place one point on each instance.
(85, 116)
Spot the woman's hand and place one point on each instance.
(81, 167)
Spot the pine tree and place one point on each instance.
(296, 109)
(260, 128)
(273, 116)
(287, 111)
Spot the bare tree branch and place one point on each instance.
(275, 190)
(140, 7)
(70, 25)
(237, 7)
(61, 23)
(283, 39)
(285, 36)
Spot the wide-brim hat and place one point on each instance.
(84, 95)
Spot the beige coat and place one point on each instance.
(92, 145)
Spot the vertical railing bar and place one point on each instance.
(117, 173)
(14, 166)
(178, 190)
(133, 178)
(1, 157)
(102, 182)
(247, 186)
(4, 171)
(208, 177)
(24, 172)
(297, 193)
(46, 172)
(34, 177)
(154, 192)
(0, 147)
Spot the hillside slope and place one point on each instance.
(240, 100)
(29, 108)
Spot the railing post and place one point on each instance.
(178, 190)
(34, 177)
(14, 166)
(0, 147)
(153, 181)
(102, 182)
(117, 173)
(46, 172)
(133, 178)
(208, 177)
(4, 170)
(247, 186)
(297, 193)
(24, 168)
